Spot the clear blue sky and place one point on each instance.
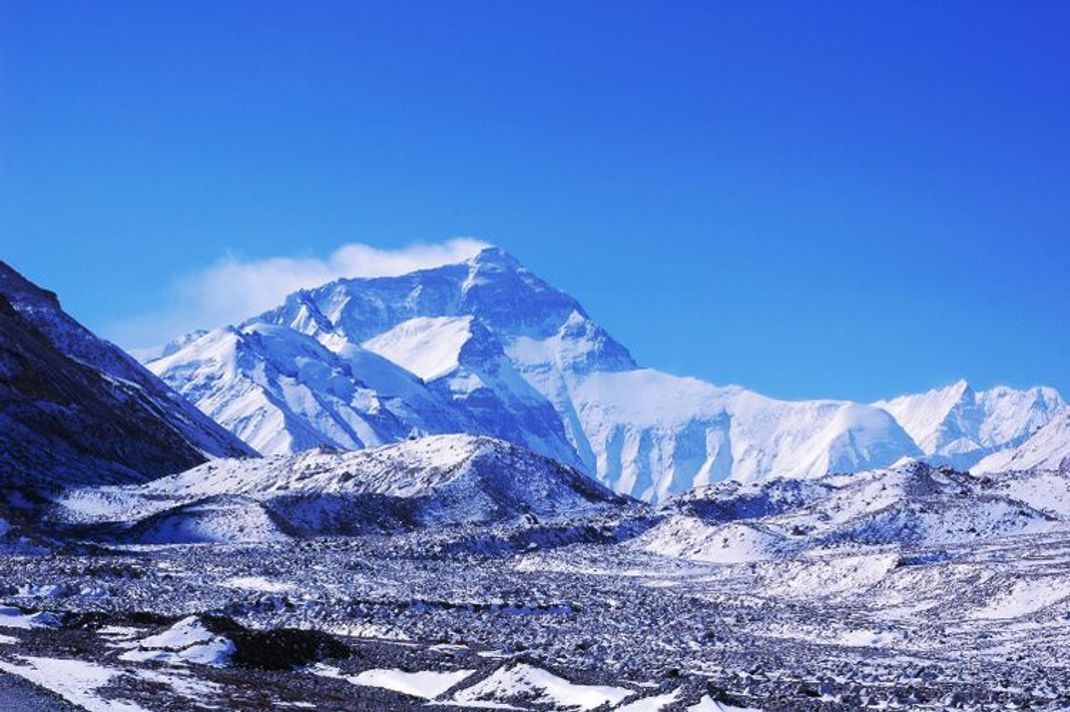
(847, 199)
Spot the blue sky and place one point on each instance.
(811, 199)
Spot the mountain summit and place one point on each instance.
(485, 346)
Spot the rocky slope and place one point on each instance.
(35, 314)
(77, 410)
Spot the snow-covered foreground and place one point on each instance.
(583, 627)
(910, 588)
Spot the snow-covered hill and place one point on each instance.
(75, 410)
(911, 505)
(498, 351)
(439, 480)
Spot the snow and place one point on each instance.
(430, 347)
(184, 633)
(283, 391)
(960, 426)
(426, 684)
(214, 519)
(1046, 449)
(654, 434)
(1044, 490)
(708, 704)
(258, 583)
(655, 703)
(1024, 597)
(14, 618)
(74, 680)
(528, 683)
(188, 640)
(693, 539)
(862, 638)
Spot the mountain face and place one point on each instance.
(958, 426)
(443, 480)
(1047, 449)
(77, 410)
(40, 308)
(492, 349)
(283, 391)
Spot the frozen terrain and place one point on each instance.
(905, 588)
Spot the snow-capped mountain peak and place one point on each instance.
(959, 425)
(496, 350)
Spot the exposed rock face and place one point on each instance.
(77, 410)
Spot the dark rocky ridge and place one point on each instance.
(75, 409)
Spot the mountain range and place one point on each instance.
(486, 347)
(433, 519)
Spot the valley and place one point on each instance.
(484, 617)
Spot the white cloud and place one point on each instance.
(233, 288)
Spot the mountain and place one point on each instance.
(76, 410)
(500, 352)
(959, 426)
(654, 434)
(435, 481)
(1046, 449)
(282, 391)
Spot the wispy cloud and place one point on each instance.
(234, 288)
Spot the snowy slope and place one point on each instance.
(1047, 449)
(433, 481)
(430, 347)
(911, 505)
(464, 362)
(958, 425)
(657, 434)
(41, 309)
(282, 391)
